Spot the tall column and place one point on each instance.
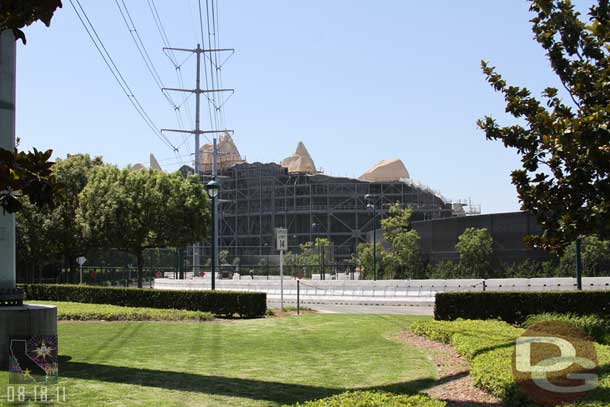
(7, 142)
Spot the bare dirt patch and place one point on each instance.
(454, 384)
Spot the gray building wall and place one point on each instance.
(439, 236)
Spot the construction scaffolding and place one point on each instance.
(255, 198)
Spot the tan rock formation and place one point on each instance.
(154, 164)
(228, 154)
(385, 171)
(300, 161)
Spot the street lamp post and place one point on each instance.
(266, 244)
(371, 207)
(213, 189)
(578, 264)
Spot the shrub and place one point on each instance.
(515, 307)
(489, 347)
(372, 399)
(475, 247)
(77, 311)
(220, 303)
(443, 270)
(596, 327)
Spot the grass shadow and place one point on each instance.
(282, 393)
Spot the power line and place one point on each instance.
(150, 66)
(99, 45)
(211, 104)
(135, 35)
(177, 67)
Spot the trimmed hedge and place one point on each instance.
(77, 311)
(515, 307)
(220, 303)
(489, 347)
(373, 399)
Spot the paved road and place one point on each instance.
(362, 309)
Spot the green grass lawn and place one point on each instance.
(263, 362)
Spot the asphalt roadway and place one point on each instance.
(361, 309)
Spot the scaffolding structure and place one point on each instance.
(256, 198)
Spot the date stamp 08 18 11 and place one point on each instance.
(38, 394)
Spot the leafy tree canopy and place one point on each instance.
(565, 146)
(137, 210)
(17, 14)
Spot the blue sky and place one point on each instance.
(356, 80)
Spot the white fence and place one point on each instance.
(382, 292)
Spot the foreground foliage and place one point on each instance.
(564, 145)
(76, 311)
(489, 346)
(373, 399)
(25, 173)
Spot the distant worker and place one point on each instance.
(252, 274)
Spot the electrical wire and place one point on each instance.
(116, 73)
(135, 35)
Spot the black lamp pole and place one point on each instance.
(578, 264)
(315, 226)
(213, 188)
(213, 245)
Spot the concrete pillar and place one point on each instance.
(22, 320)
(7, 142)
(25, 321)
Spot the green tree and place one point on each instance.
(309, 256)
(565, 146)
(63, 240)
(404, 259)
(33, 236)
(475, 247)
(137, 210)
(68, 240)
(365, 261)
(595, 258)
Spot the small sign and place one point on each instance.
(81, 260)
(282, 238)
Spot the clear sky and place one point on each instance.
(356, 80)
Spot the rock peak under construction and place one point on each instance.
(300, 161)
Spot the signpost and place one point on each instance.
(81, 260)
(282, 244)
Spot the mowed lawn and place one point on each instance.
(264, 362)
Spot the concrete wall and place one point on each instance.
(382, 292)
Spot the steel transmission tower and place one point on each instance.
(198, 132)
